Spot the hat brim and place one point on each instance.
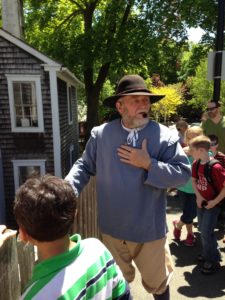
(111, 101)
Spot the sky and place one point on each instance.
(195, 34)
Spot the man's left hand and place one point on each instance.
(5, 234)
(134, 156)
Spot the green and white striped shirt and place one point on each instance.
(87, 271)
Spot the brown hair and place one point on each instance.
(214, 139)
(193, 131)
(200, 141)
(45, 207)
(182, 124)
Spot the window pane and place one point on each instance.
(26, 93)
(25, 104)
(19, 112)
(16, 92)
(34, 120)
(28, 171)
(18, 121)
(27, 111)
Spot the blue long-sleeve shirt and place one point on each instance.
(131, 201)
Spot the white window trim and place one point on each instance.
(20, 77)
(25, 163)
(71, 157)
(70, 121)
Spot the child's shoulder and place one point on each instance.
(217, 167)
(93, 248)
(219, 155)
(93, 242)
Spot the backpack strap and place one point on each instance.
(208, 170)
(197, 167)
(208, 175)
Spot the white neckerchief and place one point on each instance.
(132, 135)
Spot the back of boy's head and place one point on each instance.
(182, 124)
(214, 139)
(45, 207)
(200, 141)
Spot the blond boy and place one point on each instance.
(208, 198)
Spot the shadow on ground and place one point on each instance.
(191, 283)
(209, 286)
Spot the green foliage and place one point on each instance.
(105, 39)
(107, 90)
(190, 59)
(202, 89)
(62, 29)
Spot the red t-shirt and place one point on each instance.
(221, 158)
(206, 190)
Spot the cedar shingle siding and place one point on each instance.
(14, 60)
(69, 132)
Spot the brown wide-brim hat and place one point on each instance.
(131, 85)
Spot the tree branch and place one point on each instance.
(70, 17)
(127, 12)
(103, 72)
(77, 3)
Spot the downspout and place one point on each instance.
(2, 193)
(219, 51)
(55, 117)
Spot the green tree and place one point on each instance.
(101, 39)
(104, 39)
(202, 89)
(190, 59)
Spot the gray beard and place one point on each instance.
(134, 122)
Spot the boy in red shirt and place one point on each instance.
(208, 197)
(214, 148)
(221, 158)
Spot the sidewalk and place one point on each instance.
(187, 282)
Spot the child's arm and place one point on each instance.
(199, 197)
(216, 200)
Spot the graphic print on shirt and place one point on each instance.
(202, 183)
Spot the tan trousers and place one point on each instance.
(152, 259)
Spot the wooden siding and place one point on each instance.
(14, 60)
(68, 132)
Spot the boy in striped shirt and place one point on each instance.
(70, 268)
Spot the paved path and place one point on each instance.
(187, 282)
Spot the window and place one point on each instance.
(25, 103)
(71, 99)
(23, 169)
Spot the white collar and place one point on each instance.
(132, 135)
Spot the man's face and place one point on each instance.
(134, 110)
(212, 109)
(181, 129)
